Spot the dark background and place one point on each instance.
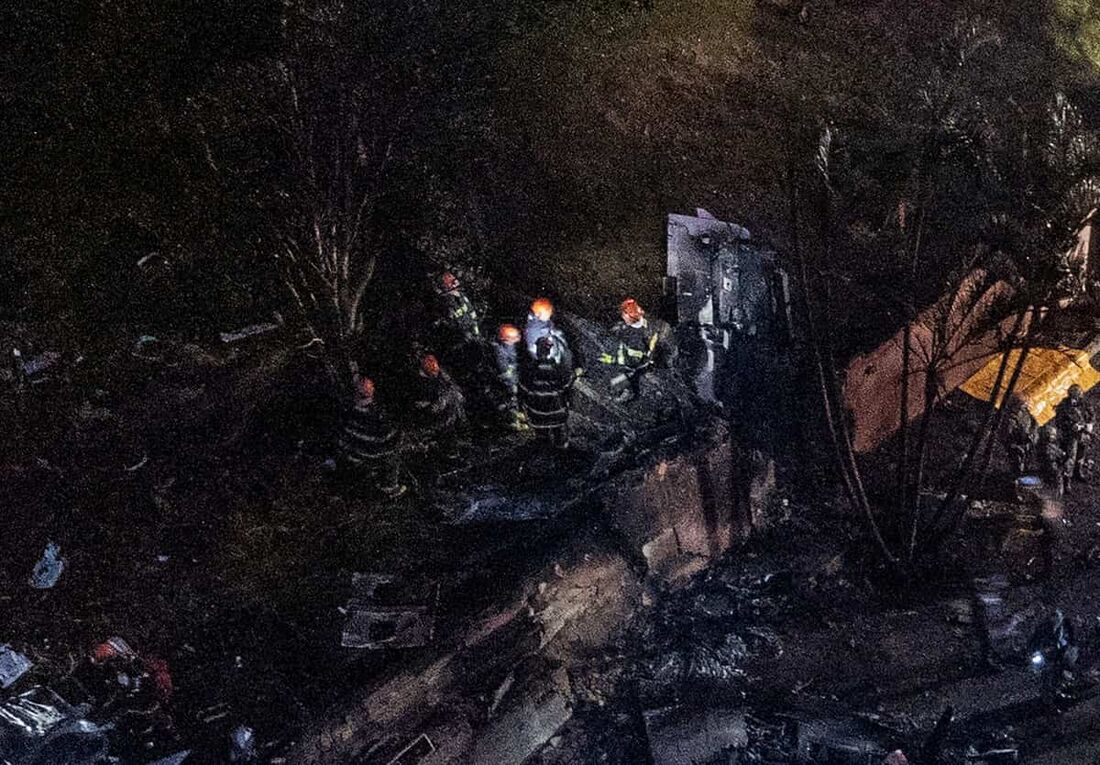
(541, 142)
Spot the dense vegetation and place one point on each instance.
(537, 144)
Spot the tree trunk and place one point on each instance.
(829, 388)
(931, 393)
(1029, 340)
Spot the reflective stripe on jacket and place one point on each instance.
(367, 436)
(544, 389)
(461, 314)
(636, 344)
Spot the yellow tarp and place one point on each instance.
(1044, 380)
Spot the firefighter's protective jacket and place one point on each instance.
(545, 387)
(368, 438)
(440, 402)
(507, 365)
(460, 315)
(638, 345)
(1022, 431)
(536, 328)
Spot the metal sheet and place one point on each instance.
(726, 286)
(704, 288)
(375, 628)
(13, 665)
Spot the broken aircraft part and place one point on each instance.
(246, 332)
(719, 285)
(376, 628)
(486, 504)
(415, 752)
(48, 568)
(40, 363)
(38, 727)
(13, 665)
(242, 744)
(377, 617)
(854, 742)
(681, 735)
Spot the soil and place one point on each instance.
(202, 529)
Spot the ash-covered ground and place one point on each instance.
(233, 563)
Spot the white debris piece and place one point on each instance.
(13, 665)
(249, 331)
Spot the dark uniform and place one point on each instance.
(546, 385)
(536, 328)
(441, 405)
(1020, 439)
(458, 337)
(507, 365)
(1052, 459)
(639, 346)
(369, 444)
(507, 361)
(460, 316)
(1075, 421)
(1052, 650)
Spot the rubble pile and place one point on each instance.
(697, 641)
(689, 683)
(624, 620)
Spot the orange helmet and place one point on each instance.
(631, 311)
(542, 309)
(429, 365)
(508, 333)
(366, 388)
(448, 281)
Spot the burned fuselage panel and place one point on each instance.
(720, 287)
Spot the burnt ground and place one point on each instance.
(198, 521)
(799, 626)
(190, 504)
(623, 117)
(796, 627)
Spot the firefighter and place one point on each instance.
(369, 443)
(459, 316)
(1052, 654)
(641, 344)
(1052, 459)
(1021, 437)
(438, 400)
(1075, 421)
(507, 360)
(540, 323)
(546, 384)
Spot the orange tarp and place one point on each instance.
(872, 382)
(952, 331)
(1044, 380)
